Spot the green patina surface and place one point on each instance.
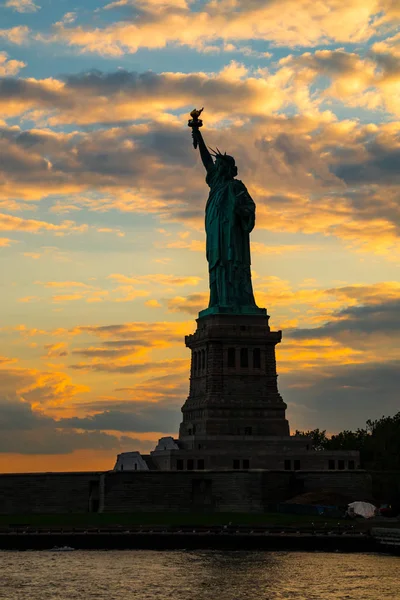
(229, 219)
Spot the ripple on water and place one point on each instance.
(201, 575)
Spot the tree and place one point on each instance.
(378, 443)
(318, 438)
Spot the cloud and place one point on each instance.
(131, 417)
(28, 431)
(8, 66)
(354, 323)
(6, 242)
(15, 35)
(361, 330)
(185, 244)
(28, 299)
(368, 319)
(125, 95)
(324, 371)
(65, 284)
(310, 173)
(16, 414)
(261, 248)
(51, 388)
(149, 4)
(131, 369)
(129, 293)
(153, 304)
(169, 388)
(88, 297)
(116, 349)
(157, 279)
(190, 304)
(367, 81)
(51, 252)
(22, 6)
(341, 396)
(12, 223)
(55, 441)
(77, 290)
(158, 333)
(122, 293)
(126, 346)
(57, 350)
(304, 173)
(305, 23)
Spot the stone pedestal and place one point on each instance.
(233, 383)
(234, 417)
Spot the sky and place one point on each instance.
(102, 196)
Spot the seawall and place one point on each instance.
(168, 491)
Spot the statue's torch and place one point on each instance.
(195, 123)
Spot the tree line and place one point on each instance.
(378, 443)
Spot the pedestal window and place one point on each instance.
(244, 357)
(231, 357)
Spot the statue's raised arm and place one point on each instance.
(195, 123)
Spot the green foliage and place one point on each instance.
(382, 449)
(317, 437)
(378, 443)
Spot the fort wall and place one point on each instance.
(168, 491)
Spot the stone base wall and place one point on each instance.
(255, 455)
(354, 483)
(161, 491)
(48, 493)
(197, 491)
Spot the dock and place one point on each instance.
(226, 537)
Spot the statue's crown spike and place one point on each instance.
(218, 154)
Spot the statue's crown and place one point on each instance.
(225, 157)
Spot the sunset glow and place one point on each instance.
(102, 197)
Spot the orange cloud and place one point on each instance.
(16, 35)
(306, 23)
(65, 284)
(9, 67)
(191, 304)
(22, 6)
(318, 354)
(156, 278)
(5, 242)
(129, 293)
(161, 367)
(12, 223)
(153, 304)
(192, 245)
(28, 299)
(56, 350)
(260, 248)
(49, 252)
(38, 387)
(370, 81)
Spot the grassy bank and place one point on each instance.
(126, 519)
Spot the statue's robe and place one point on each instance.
(229, 219)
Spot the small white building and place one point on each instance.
(166, 443)
(130, 461)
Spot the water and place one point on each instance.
(204, 575)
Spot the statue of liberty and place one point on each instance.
(229, 220)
